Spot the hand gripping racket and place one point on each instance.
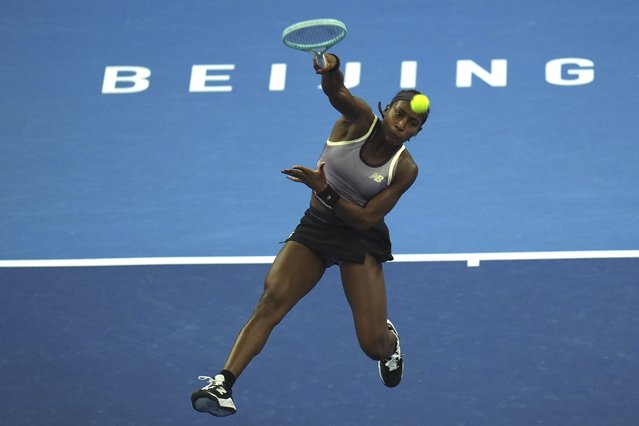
(314, 36)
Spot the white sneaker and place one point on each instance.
(391, 369)
(214, 398)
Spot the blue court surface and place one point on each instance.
(141, 202)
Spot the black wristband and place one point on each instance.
(336, 67)
(329, 196)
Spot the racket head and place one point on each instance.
(315, 35)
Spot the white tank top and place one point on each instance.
(349, 175)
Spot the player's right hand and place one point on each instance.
(330, 62)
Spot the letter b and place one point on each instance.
(125, 79)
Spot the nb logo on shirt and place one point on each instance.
(376, 177)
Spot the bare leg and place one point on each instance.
(366, 293)
(295, 271)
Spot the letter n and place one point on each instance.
(496, 77)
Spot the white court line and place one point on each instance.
(474, 259)
(471, 259)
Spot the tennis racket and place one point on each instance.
(314, 36)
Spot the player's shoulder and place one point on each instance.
(361, 112)
(407, 166)
(356, 124)
(407, 159)
(362, 104)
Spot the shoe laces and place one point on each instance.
(393, 362)
(213, 381)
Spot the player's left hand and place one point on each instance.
(314, 179)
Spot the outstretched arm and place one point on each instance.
(333, 86)
(353, 109)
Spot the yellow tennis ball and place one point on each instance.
(420, 103)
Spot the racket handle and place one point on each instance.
(320, 59)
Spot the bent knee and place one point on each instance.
(374, 352)
(267, 305)
(375, 348)
(271, 307)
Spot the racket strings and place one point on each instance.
(314, 37)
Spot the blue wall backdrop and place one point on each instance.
(165, 171)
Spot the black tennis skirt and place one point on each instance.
(334, 241)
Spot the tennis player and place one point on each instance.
(361, 174)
